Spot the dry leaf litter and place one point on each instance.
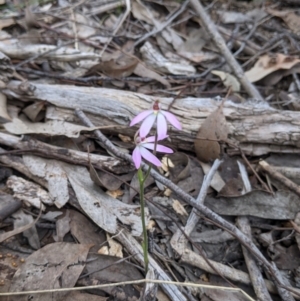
(222, 211)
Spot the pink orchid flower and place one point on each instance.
(141, 150)
(149, 117)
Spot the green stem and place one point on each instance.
(142, 180)
(142, 201)
(147, 174)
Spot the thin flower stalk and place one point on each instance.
(141, 151)
(142, 180)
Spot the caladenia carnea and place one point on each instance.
(160, 116)
(141, 151)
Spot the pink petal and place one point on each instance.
(137, 157)
(162, 137)
(172, 119)
(163, 149)
(147, 125)
(152, 138)
(140, 117)
(149, 157)
(149, 145)
(162, 126)
(159, 148)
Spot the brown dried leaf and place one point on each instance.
(62, 226)
(30, 18)
(9, 234)
(22, 219)
(228, 80)
(7, 22)
(268, 64)
(115, 193)
(53, 266)
(273, 78)
(114, 68)
(30, 193)
(103, 251)
(135, 185)
(100, 207)
(143, 71)
(217, 182)
(217, 294)
(124, 138)
(81, 296)
(212, 129)
(115, 249)
(179, 209)
(288, 258)
(111, 269)
(52, 172)
(84, 230)
(291, 19)
(4, 117)
(104, 179)
(35, 111)
(233, 188)
(166, 164)
(180, 167)
(144, 13)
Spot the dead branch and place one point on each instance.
(190, 257)
(163, 25)
(64, 154)
(258, 282)
(284, 294)
(256, 127)
(280, 177)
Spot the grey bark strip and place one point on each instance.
(243, 223)
(258, 282)
(284, 294)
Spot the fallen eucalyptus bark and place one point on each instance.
(254, 126)
(51, 52)
(64, 154)
(17, 163)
